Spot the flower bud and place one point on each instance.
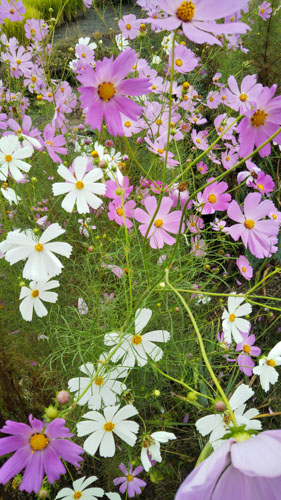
(191, 396)
(220, 406)
(51, 412)
(43, 493)
(63, 397)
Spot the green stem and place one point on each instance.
(202, 348)
(181, 382)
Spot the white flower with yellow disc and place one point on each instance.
(137, 347)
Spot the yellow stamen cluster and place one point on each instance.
(99, 380)
(158, 223)
(249, 224)
(38, 247)
(185, 11)
(258, 118)
(243, 97)
(232, 317)
(109, 426)
(79, 185)
(8, 158)
(212, 198)
(137, 339)
(38, 442)
(247, 348)
(271, 362)
(106, 91)
(35, 293)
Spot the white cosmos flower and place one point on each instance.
(232, 321)
(218, 424)
(80, 186)
(113, 496)
(104, 389)
(41, 262)
(266, 368)
(137, 347)
(80, 491)
(11, 157)
(101, 429)
(121, 42)
(33, 296)
(10, 194)
(151, 446)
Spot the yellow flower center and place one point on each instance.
(39, 247)
(94, 154)
(38, 442)
(274, 216)
(262, 10)
(99, 380)
(179, 62)
(79, 185)
(249, 224)
(271, 362)
(159, 122)
(128, 27)
(160, 151)
(211, 99)
(106, 91)
(5, 185)
(35, 293)
(158, 223)
(227, 158)
(232, 317)
(185, 11)
(109, 426)
(127, 124)
(77, 494)
(154, 87)
(261, 186)
(258, 118)
(18, 61)
(247, 348)
(243, 97)
(137, 339)
(212, 198)
(12, 11)
(243, 269)
(33, 79)
(120, 211)
(130, 477)
(198, 141)
(8, 158)
(50, 143)
(186, 85)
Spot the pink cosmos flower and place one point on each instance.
(117, 211)
(194, 224)
(36, 29)
(260, 123)
(257, 234)
(244, 360)
(39, 449)
(215, 198)
(229, 158)
(263, 183)
(20, 61)
(13, 10)
(87, 3)
(213, 99)
(179, 192)
(184, 59)
(238, 469)
(265, 10)
(241, 99)
(129, 26)
(164, 222)
(129, 482)
(200, 139)
(244, 267)
(53, 144)
(198, 246)
(103, 92)
(251, 174)
(202, 167)
(222, 122)
(196, 18)
(119, 188)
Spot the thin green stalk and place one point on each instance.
(202, 348)
(181, 382)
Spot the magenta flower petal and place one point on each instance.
(14, 464)
(34, 473)
(261, 458)
(52, 465)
